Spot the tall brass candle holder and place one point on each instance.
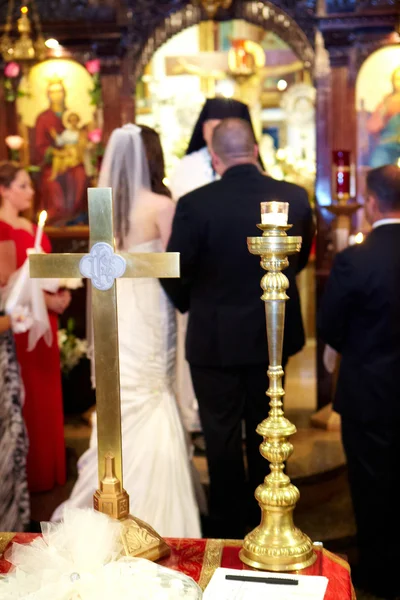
(276, 544)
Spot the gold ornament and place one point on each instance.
(212, 6)
(25, 48)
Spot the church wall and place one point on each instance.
(111, 87)
(8, 120)
(343, 113)
(3, 122)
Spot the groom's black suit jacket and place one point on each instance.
(220, 279)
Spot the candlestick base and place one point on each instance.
(276, 544)
(294, 556)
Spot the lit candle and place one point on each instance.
(274, 213)
(39, 230)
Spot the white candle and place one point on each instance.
(39, 230)
(273, 219)
(274, 213)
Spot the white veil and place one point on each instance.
(124, 169)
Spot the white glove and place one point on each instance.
(21, 319)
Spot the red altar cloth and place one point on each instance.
(200, 558)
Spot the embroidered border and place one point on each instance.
(336, 559)
(211, 561)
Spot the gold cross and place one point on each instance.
(102, 266)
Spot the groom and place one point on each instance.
(226, 343)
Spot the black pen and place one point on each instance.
(276, 580)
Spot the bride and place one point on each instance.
(155, 459)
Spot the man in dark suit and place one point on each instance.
(360, 318)
(226, 343)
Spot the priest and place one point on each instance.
(195, 169)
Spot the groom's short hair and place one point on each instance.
(233, 140)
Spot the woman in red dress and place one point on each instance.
(40, 368)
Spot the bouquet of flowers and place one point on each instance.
(72, 349)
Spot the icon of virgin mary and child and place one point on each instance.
(60, 143)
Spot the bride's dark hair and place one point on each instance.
(133, 160)
(155, 159)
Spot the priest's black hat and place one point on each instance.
(216, 108)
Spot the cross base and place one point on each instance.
(138, 538)
(141, 541)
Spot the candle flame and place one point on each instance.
(24, 10)
(42, 218)
(359, 238)
(398, 163)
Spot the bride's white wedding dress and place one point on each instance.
(155, 459)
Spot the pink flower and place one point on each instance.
(93, 66)
(14, 142)
(12, 70)
(95, 136)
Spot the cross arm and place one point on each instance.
(64, 266)
(55, 266)
(151, 264)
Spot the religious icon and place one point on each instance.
(384, 124)
(55, 118)
(378, 104)
(378, 112)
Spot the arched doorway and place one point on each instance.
(203, 59)
(267, 15)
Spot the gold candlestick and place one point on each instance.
(276, 544)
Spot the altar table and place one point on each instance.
(199, 559)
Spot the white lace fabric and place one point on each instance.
(80, 559)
